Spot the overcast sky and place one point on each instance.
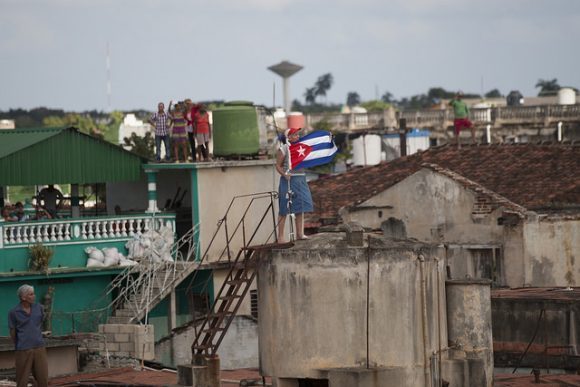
(53, 53)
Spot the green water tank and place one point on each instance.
(235, 129)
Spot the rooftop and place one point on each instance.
(538, 177)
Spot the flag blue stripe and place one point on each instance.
(324, 145)
(315, 162)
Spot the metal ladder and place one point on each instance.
(227, 302)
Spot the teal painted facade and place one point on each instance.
(15, 260)
(78, 305)
(195, 212)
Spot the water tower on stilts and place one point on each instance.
(285, 69)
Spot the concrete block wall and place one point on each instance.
(127, 340)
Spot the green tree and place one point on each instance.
(352, 99)
(438, 93)
(375, 105)
(495, 93)
(547, 87)
(143, 146)
(388, 98)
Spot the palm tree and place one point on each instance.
(310, 95)
(352, 99)
(547, 87)
(323, 84)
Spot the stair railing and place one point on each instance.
(140, 287)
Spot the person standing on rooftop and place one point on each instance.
(178, 132)
(461, 117)
(25, 323)
(160, 121)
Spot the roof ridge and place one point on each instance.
(476, 187)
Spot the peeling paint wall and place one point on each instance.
(326, 305)
(239, 349)
(433, 207)
(552, 249)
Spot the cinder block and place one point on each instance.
(111, 328)
(127, 328)
(113, 347)
(127, 347)
(102, 328)
(121, 337)
(110, 337)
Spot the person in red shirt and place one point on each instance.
(190, 111)
(203, 131)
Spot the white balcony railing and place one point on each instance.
(80, 230)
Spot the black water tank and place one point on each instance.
(515, 98)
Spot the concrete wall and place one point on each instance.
(62, 356)
(433, 207)
(538, 251)
(551, 321)
(324, 305)
(552, 247)
(217, 184)
(239, 349)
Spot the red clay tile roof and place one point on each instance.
(534, 176)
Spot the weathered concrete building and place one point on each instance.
(347, 311)
(509, 213)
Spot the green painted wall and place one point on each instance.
(65, 255)
(78, 300)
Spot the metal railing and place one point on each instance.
(140, 287)
(240, 229)
(442, 118)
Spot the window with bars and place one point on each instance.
(254, 303)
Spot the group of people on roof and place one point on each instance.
(185, 122)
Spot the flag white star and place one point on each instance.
(301, 151)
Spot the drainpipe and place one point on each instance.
(152, 191)
(560, 131)
(439, 321)
(424, 319)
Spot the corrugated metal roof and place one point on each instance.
(47, 156)
(12, 141)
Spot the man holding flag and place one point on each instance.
(295, 153)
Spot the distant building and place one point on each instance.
(7, 124)
(132, 125)
(508, 213)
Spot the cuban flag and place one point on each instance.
(314, 149)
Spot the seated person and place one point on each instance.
(42, 214)
(7, 214)
(19, 212)
(49, 197)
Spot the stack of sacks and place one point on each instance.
(152, 246)
(109, 256)
(96, 257)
